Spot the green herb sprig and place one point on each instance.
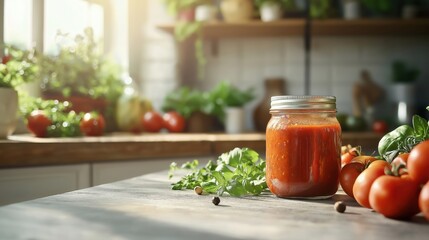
(238, 172)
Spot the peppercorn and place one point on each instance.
(216, 200)
(340, 206)
(198, 190)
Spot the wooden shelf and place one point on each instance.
(329, 27)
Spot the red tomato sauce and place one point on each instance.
(303, 161)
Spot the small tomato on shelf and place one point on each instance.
(92, 124)
(380, 126)
(152, 121)
(6, 58)
(38, 123)
(174, 122)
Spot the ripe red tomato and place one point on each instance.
(418, 162)
(395, 197)
(348, 176)
(349, 155)
(38, 123)
(424, 200)
(380, 126)
(6, 58)
(364, 181)
(174, 122)
(152, 121)
(92, 124)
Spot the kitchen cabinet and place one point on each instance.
(20, 184)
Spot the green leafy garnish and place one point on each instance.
(238, 172)
(404, 138)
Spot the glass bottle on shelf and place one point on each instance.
(131, 107)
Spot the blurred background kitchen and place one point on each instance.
(362, 52)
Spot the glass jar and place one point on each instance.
(303, 147)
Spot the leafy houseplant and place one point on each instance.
(195, 106)
(231, 101)
(271, 10)
(402, 73)
(82, 75)
(228, 95)
(81, 69)
(380, 8)
(185, 101)
(17, 67)
(403, 78)
(321, 8)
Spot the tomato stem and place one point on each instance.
(396, 170)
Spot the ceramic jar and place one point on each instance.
(237, 10)
(271, 11)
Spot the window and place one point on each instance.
(17, 27)
(70, 16)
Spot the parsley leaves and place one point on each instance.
(238, 172)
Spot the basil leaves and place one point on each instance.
(403, 138)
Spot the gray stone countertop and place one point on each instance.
(146, 208)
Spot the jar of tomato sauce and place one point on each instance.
(303, 147)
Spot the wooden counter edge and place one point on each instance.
(26, 151)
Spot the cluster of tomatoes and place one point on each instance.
(92, 124)
(398, 190)
(153, 121)
(39, 123)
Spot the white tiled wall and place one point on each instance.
(336, 63)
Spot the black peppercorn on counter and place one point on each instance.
(146, 208)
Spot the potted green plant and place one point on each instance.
(231, 101)
(82, 75)
(17, 67)
(272, 10)
(321, 9)
(237, 10)
(404, 77)
(380, 8)
(195, 106)
(351, 9)
(409, 9)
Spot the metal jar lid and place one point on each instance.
(289, 102)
